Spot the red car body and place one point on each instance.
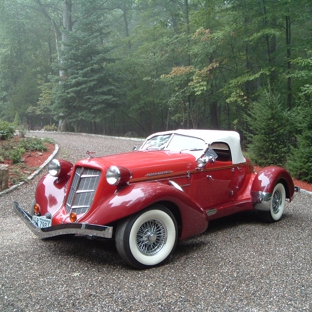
(147, 199)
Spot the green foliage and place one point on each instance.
(32, 144)
(49, 140)
(17, 154)
(14, 150)
(299, 162)
(17, 120)
(87, 90)
(5, 150)
(50, 127)
(6, 130)
(268, 123)
(43, 109)
(232, 48)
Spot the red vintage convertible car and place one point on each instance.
(147, 199)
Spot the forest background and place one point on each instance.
(133, 67)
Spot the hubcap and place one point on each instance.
(276, 202)
(151, 237)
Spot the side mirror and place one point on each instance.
(209, 156)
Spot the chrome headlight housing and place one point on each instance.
(113, 175)
(59, 168)
(54, 167)
(118, 175)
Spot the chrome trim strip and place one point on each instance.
(153, 174)
(84, 191)
(176, 185)
(63, 229)
(211, 212)
(79, 206)
(89, 175)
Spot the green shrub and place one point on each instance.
(17, 154)
(5, 149)
(17, 120)
(32, 144)
(50, 127)
(49, 140)
(6, 130)
(21, 131)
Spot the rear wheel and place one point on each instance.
(147, 238)
(277, 205)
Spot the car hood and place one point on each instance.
(145, 163)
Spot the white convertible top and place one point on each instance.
(232, 138)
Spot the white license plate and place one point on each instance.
(41, 222)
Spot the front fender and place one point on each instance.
(264, 183)
(136, 197)
(50, 193)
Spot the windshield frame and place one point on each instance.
(168, 141)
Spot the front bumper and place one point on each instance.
(63, 229)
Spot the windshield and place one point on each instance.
(174, 142)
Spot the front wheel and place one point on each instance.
(277, 205)
(147, 238)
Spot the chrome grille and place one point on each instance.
(82, 190)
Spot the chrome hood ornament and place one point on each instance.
(90, 154)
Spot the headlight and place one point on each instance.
(113, 175)
(59, 167)
(117, 175)
(54, 167)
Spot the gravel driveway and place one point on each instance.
(238, 264)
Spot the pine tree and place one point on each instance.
(299, 162)
(269, 130)
(87, 91)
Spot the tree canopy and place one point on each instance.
(139, 66)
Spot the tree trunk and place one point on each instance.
(288, 52)
(214, 115)
(271, 47)
(67, 27)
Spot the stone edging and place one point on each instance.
(56, 149)
(305, 191)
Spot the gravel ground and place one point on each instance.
(238, 264)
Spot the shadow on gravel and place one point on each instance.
(238, 219)
(103, 252)
(98, 251)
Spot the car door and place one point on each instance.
(213, 184)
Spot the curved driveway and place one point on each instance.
(238, 264)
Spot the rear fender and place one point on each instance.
(264, 183)
(136, 197)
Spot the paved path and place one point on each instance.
(238, 264)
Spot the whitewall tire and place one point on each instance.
(147, 238)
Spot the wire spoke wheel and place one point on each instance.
(147, 238)
(277, 205)
(277, 202)
(151, 237)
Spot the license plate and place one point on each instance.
(41, 222)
